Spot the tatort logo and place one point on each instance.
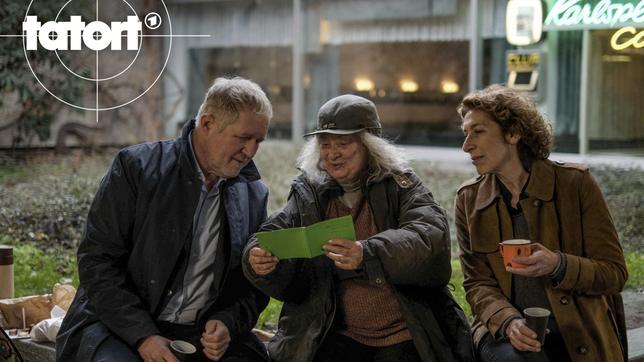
(67, 35)
(107, 47)
(99, 46)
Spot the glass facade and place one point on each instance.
(412, 58)
(616, 94)
(415, 85)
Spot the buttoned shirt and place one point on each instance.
(195, 292)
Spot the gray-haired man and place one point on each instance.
(160, 256)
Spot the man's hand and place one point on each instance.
(521, 337)
(262, 261)
(156, 349)
(347, 254)
(215, 339)
(541, 262)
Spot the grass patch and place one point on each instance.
(635, 267)
(269, 317)
(36, 272)
(456, 285)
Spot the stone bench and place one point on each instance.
(45, 352)
(35, 351)
(636, 344)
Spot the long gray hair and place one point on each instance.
(384, 158)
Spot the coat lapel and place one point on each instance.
(236, 208)
(488, 191)
(485, 225)
(542, 181)
(539, 208)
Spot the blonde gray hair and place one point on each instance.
(227, 97)
(384, 158)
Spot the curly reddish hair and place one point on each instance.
(516, 114)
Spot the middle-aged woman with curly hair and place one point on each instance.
(577, 267)
(383, 297)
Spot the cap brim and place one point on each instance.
(335, 131)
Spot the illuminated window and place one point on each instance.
(449, 86)
(363, 84)
(408, 86)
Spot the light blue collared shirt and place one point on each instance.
(196, 290)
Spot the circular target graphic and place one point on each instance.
(105, 38)
(138, 51)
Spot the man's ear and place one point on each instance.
(208, 123)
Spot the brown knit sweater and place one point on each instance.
(368, 314)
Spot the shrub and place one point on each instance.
(47, 203)
(624, 193)
(443, 183)
(44, 203)
(276, 164)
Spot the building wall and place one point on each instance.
(139, 121)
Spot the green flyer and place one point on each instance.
(306, 241)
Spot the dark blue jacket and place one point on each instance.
(138, 233)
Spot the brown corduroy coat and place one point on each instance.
(565, 210)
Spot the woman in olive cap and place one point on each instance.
(382, 297)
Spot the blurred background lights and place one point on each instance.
(449, 86)
(408, 86)
(363, 84)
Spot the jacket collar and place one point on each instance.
(247, 174)
(541, 185)
(320, 186)
(326, 183)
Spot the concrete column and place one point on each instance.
(583, 93)
(297, 125)
(175, 79)
(476, 48)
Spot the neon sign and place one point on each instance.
(619, 42)
(522, 61)
(571, 14)
(523, 22)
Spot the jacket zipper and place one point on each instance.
(318, 207)
(327, 327)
